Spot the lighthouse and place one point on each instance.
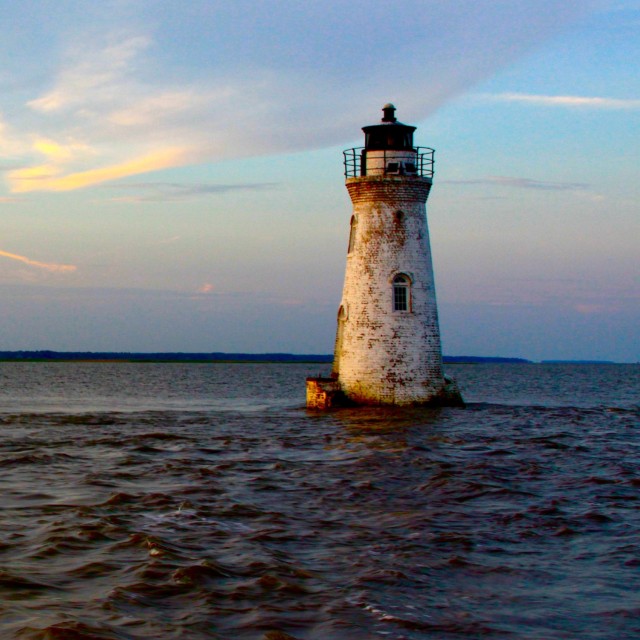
(387, 347)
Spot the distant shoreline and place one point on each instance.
(106, 356)
(237, 358)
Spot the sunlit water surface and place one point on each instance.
(204, 501)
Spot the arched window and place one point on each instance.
(352, 234)
(401, 293)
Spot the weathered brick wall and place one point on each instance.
(386, 356)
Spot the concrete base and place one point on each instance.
(325, 393)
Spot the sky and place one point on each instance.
(172, 173)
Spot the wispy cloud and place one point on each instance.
(95, 97)
(152, 109)
(124, 100)
(47, 177)
(47, 266)
(176, 192)
(585, 102)
(57, 151)
(522, 183)
(12, 144)
(89, 75)
(585, 295)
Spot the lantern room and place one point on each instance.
(389, 134)
(388, 151)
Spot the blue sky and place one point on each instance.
(172, 172)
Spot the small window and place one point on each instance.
(352, 234)
(392, 167)
(410, 167)
(401, 293)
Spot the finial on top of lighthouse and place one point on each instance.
(388, 112)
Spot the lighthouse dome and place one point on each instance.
(389, 135)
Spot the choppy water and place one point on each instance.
(204, 501)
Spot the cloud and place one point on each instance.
(585, 295)
(11, 144)
(151, 109)
(175, 192)
(57, 151)
(89, 74)
(565, 101)
(124, 100)
(523, 183)
(57, 268)
(46, 177)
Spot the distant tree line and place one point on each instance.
(216, 356)
(481, 359)
(161, 357)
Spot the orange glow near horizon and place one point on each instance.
(47, 178)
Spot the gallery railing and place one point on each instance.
(355, 164)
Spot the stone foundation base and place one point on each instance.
(325, 393)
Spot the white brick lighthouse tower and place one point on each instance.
(387, 347)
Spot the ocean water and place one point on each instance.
(204, 501)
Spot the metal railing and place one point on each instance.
(354, 167)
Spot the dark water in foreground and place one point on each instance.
(203, 501)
